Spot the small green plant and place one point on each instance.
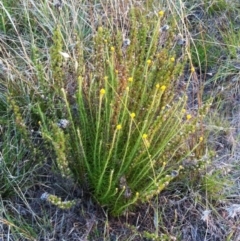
(129, 131)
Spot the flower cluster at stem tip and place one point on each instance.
(102, 91)
(149, 61)
(119, 127)
(132, 115)
(163, 87)
(161, 13)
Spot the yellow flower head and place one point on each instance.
(102, 91)
(130, 79)
(144, 136)
(172, 59)
(112, 49)
(192, 69)
(119, 127)
(163, 87)
(132, 115)
(161, 13)
(157, 86)
(149, 61)
(200, 138)
(188, 117)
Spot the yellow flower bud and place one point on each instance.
(149, 61)
(163, 87)
(161, 13)
(132, 115)
(102, 91)
(119, 127)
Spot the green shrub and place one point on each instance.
(125, 130)
(114, 117)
